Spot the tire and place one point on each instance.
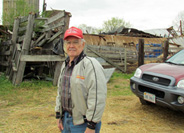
(144, 102)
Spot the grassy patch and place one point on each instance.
(119, 84)
(117, 75)
(30, 92)
(5, 85)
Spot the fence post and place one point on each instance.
(13, 47)
(165, 50)
(141, 52)
(25, 49)
(125, 60)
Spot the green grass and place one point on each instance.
(34, 91)
(121, 75)
(38, 91)
(119, 84)
(5, 85)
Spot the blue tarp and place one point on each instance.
(154, 53)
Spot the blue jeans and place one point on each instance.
(70, 128)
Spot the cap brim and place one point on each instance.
(73, 36)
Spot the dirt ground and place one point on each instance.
(123, 114)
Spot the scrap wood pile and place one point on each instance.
(35, 48)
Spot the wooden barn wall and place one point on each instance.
(120, 41)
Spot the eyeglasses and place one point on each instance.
(72, 42)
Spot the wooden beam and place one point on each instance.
(106, 48)
(55, 36)
(13, 47)
(21, 38)
(7, 43)
(5, 53)
(18, 47)
(4, 63)
(40, 38)
(57, 72)
(14, 67)
(22, 29)
(41, 58)
(25, 49)
(42, 42)
(125, 61)
(23, 19)
(41, 18)
(53, 26)
(55, 17)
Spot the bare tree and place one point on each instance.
(178, 23)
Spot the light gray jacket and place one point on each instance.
(88, 91)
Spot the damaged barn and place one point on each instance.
(35, 49)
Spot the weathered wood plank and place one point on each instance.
(41, 18)
(25, 48)
(23, 19)
(57, 72)
(125, 61)
(18, 47)
(40, 38)
(21, 38)
(55, 36)
(41, 58)
(3, 63)
(42, 42)
(7, 43)
(13, 47)
(53, 26)
(55, 17)
(14, 67)
(106, 48)
(129, 53)
(118, 56)
(22, 29)
(5, 53)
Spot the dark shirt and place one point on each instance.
(66, 91)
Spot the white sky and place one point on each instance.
(142, 14)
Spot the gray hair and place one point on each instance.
(82, 40)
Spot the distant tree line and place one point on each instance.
(107, 26)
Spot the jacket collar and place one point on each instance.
(76, 60)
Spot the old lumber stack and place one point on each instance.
(36, 46)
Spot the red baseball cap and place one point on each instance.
(73, 31)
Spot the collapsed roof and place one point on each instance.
(131, 32)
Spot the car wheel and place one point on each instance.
(144, 102)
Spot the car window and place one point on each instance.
(178, 58)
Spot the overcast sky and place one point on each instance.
(142, 14)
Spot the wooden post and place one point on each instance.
(13, 47)
(125, 60)
(141, 52)
(181, 32)
(57, 72)
(25, 49)
(165, 50)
